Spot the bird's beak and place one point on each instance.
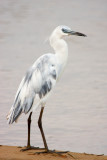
(76, 33)
(70, 32)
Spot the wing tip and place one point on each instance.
(12, 116)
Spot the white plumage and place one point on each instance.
(41, 78)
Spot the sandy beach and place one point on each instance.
(14, 153)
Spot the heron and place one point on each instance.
(40, 80)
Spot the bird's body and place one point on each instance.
(41, 78)
(35, 86)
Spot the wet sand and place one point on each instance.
(14, 153)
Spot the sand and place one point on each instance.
(14, 153)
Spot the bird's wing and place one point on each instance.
(38, 81)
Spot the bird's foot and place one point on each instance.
(30, 148)
(52, 152)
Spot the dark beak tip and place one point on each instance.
(81, 34)
(85, 35)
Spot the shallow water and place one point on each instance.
(75, 117)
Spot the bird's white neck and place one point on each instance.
(60, 47)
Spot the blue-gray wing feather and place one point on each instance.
(38, 80)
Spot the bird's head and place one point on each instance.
(59, 33)
(62, 31)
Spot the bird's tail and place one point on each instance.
(13, 114)
(9, 115)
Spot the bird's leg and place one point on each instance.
(29, 147)
(29, 126)
(41, 129)
(44, 139)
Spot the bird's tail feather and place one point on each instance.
(14, 114)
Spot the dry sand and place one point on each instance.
(14, 153)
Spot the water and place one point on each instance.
(75, 117)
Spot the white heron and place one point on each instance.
(40, 80)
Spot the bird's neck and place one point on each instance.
(61, 49)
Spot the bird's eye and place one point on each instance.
(63, 30)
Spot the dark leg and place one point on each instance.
(43, 137)
(29, 147)
(29, 124)
(41, 129)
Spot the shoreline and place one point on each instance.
(14, 153)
